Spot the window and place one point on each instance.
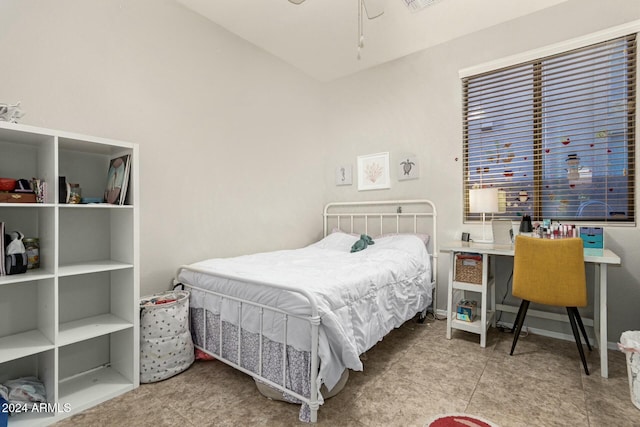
(555, 135)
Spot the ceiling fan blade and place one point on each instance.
(374, 8)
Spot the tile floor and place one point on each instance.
(414, 374)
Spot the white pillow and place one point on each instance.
(424, 237)
(407, 242)
(337, 230)
(337, 241)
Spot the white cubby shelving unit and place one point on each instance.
(73, 322)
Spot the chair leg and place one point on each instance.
(517, 326)
(517, 320)
(581, 325)
(576, 335)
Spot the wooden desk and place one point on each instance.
(601, 258)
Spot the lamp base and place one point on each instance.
(484, 235)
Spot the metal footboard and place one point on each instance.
(313, 319)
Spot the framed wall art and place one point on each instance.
(408, 168)
(344, 175)
(373, 172)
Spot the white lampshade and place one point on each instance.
(483, 200)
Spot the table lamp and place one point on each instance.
(483, 200)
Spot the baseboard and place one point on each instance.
(537, 331)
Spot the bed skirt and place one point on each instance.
(205, 331)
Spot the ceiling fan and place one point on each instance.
(374, 8)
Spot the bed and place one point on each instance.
(298, 320)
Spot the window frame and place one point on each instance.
(536, 57)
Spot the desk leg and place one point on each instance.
(596, 305)
(492, 295)
(452, 258)
(602, 345)
(484, 299)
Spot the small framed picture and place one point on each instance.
(373, 172)
(344, 175)
(117, 180)
(408, 168)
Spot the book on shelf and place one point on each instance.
(2, 257)
(118, 180)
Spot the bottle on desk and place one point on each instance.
(557, 231)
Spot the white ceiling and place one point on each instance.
(320, 37)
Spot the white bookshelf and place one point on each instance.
(73, 322)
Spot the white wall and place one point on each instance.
(230, 137)
(414, 105)
(238, 149)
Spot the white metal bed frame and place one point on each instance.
(346, 210)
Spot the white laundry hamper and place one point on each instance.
(630, 345)
(166, 347)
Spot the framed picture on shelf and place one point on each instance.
(117, 180)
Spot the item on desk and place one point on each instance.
(560, 231)
(525, 224)
(466, 310)
(593, 237)
(502, 230)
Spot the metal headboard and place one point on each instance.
(391, 216)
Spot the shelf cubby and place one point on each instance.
(42, 366)
(95, 235)
(94, 370)
(95, 304)
(27, 325)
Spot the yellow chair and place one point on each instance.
(551, 272)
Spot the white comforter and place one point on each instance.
(361, 296)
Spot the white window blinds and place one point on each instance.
(555, 136)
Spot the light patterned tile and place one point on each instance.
(446, 373)
(609, 399)
(411, 376)
(532, 396)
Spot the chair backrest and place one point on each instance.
(550, 271)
